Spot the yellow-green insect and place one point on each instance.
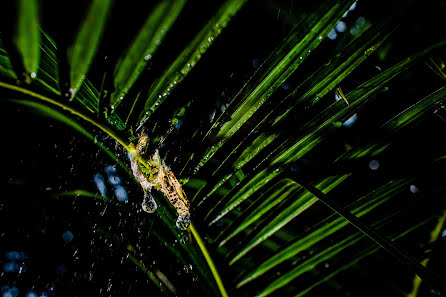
(159, 176)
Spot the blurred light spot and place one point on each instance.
(14, 255)
(9, 291)
(61, 269)
(31, 294)
(67, 236)
(332, 35)
(360, 22)
(354, 31)
(100, 184)
(285, 86)
(341, 27)
(121, 194)
(374, 165)
(110, 169)
(223, 108)
(443, 234)
(114, 180)
(348, 123)
(178, 125)
(255, 63)
(353, 7)
(43, 294)
(414, 189)
(11, 267)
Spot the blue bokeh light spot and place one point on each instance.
(414, 189)
(100, 184)
(374, 165)
(67, 236)
(114, 180)
(178, 125)
(15, 255)
(255, 63)
(9, 291)
(341, 27)
(332, 35)
(121, 194)
(11, 267)
(31, 294)
(285, 86)
(110, 169)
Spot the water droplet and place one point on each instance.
(353, 7)
(320, 37)
(33, 75)
(148, 57)
(349, 123)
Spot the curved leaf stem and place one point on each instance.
(209, 261)
(67, 108)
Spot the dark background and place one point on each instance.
(42, 157)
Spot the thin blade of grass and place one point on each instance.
(83, 50)
(188, 58)
(147, 41)
(27, 36)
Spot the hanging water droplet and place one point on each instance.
(148, 57)
(33, 75)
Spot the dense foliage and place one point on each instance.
(307, 136)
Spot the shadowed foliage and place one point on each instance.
(308, 138)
